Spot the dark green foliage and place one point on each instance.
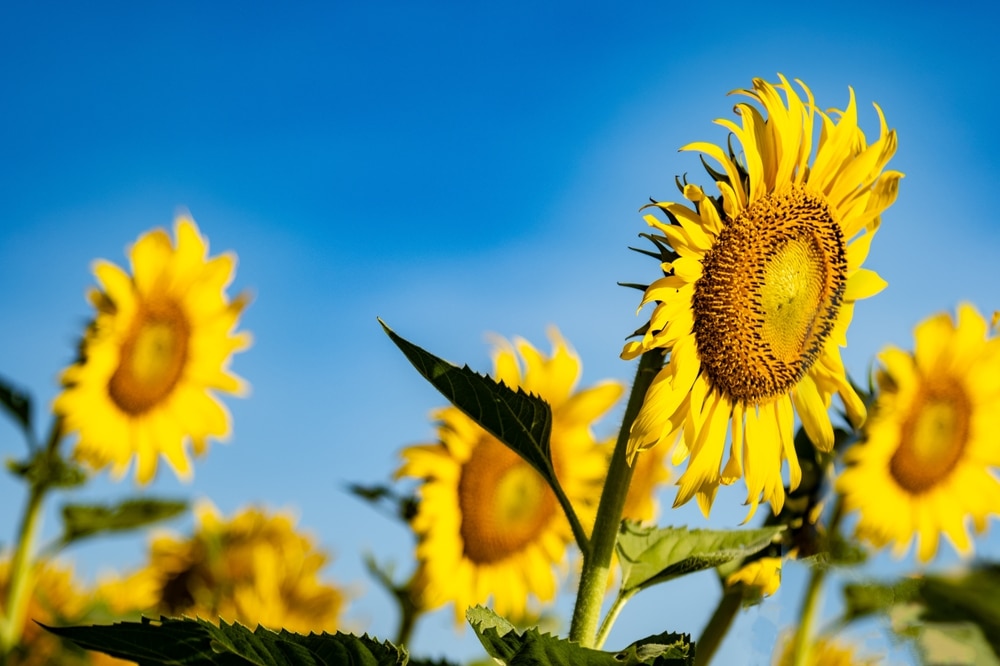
(85, 520)
(201, 643)
(531, 648)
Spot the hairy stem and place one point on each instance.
(609, 619)
(597, 561)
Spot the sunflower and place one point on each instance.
(56, 598)
(927, 465)
(759, 291)
(254, 568)
(159, 345)
(824, 651)
(487, 522)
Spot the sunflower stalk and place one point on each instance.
(718, 625)
(12, 615)
(810, 602)
(597, 562)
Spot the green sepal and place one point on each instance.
(652, 555)
(508, 646)
(18, 405)
(84, 520)
(48, 469)
(197, 642)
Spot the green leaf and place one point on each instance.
(666, 649)
(521, 421)
(201, 643)
(949, 643)
(865, 599)
(651, 555)
(512, 648)
(942, 612)
(48, 469)
(84, 520)
(18, 404)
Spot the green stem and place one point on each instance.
(409, 614)
(579, 534)
(718, 625)
(810, 603)
(20, 581)
(20, 574)
(597, 561)
(609, 619)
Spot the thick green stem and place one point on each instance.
(597, 562)
(718, 625)
(810, 602)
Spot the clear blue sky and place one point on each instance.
(457, 169)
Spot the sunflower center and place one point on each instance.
(153, 357)
(504, 503)
(769, 295)
(933, 436)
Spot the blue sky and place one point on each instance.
(456, 169)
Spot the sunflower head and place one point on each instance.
(928, 464)
(254, 568)
(488, 525)
(157, 349)
(758, 290)
(56, 598)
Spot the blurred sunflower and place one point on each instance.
(824, 651)
(488, 524)
(759, 291)
(159, 345)
(928, 463)
(56, 598)
(255, 568)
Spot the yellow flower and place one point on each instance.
(759, 291)
(159, 345)
(825, 652)
(764, 574)
(126, 597)
(55, 599)
(928, 465)
(487, 523)
(254, 569)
